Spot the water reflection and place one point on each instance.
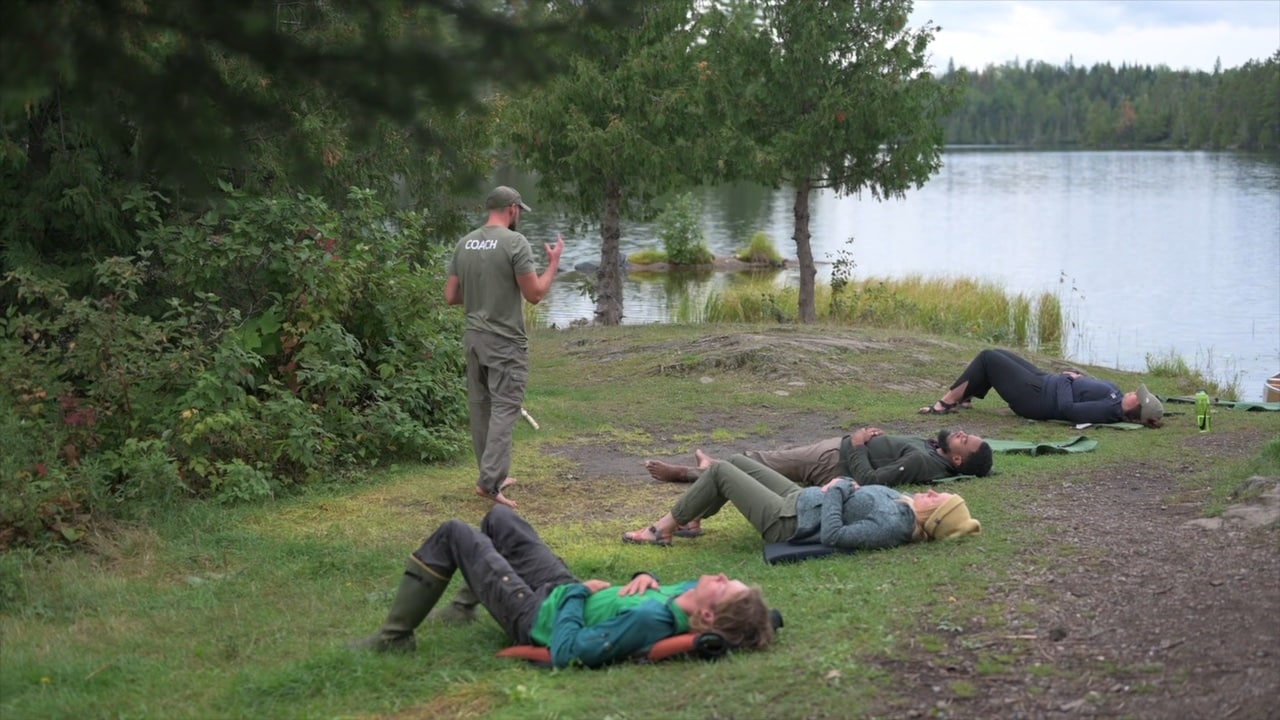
(1149, 252)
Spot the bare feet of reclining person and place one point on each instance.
(704, 460)
(498, 497)
(666, 472)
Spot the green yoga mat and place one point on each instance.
(1229, 404)
(1077, 444)
(953, 478)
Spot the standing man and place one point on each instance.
(491, 270)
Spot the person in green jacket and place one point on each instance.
(841, 513)
(532, 594)
(874, 458)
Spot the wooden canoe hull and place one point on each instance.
(1272, 393)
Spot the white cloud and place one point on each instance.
(1178, 33)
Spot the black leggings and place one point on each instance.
(1014, 378)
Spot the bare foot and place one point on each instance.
(704, 460)
(666, 472)
(498, 497)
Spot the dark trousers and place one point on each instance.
(509, 568)
(1014, 377)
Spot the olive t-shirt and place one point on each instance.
(487, 262)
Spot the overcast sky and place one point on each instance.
(1178, 33)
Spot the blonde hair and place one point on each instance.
(742, 620)
(922, 516)
(918, 533)
(962, 525)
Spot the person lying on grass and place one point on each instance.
(532, 594)
(840, 514)
(1038, 394)
(867, 456)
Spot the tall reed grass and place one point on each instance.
(1190, 378)
(954, 306)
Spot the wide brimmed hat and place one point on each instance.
(1149, 406)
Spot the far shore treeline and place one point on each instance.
(223, 235)
(1132, 106)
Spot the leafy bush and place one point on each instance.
(271, 342)
(680, 227)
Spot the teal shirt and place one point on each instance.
(597, 628)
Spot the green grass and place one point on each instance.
(761, 249)
(648, 256)
(242, 612)
(948, 306)
(1191, 378)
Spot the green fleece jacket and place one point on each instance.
(894, 460)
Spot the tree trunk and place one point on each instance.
(804, 253)
(38, 152)
(609, 276)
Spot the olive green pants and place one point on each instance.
(497, 372)
(764, 497)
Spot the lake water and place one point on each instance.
(1149, 252)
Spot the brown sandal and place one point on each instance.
(658, 539)
(939, 408)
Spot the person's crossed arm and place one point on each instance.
(614, 639)
(640, 583)
(863, 436)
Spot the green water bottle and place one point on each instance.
(1202, 411)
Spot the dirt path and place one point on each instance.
(1144, 613)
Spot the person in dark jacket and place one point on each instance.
(1038, 394)
(532, 594)
(878, 459)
